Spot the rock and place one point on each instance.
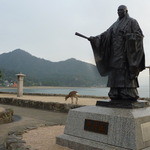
(6, 115)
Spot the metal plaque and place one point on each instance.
(96, 126)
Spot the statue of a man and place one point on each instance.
(119, 54)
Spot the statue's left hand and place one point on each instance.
(91, 38)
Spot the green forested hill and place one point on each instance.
(39, 71)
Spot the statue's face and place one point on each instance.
(122, 11)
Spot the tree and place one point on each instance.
(0, 74)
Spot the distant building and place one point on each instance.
(14, 85)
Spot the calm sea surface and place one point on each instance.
(143, 91)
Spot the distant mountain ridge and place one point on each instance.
(71, 72)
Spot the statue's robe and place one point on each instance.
(119, 53)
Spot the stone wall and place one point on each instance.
(6, 116)
(52, 106)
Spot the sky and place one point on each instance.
(46, 28)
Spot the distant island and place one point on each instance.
(41, 72)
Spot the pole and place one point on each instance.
(20, 77)
(149, 80)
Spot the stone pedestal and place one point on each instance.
(107, 128)
(20, 78)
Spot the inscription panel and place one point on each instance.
(96, 126)
(146, 131)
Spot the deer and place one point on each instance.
(72, 94)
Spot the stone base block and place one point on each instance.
(105, 128)
(124, 104)
(77, 143)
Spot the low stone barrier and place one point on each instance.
(52, 106)
(6, 116)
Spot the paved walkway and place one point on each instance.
(28, 117)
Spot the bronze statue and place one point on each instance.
(119, 54)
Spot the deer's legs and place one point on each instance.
(76, 100)
(71, 100)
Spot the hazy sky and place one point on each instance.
(46, 28)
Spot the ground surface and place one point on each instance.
(42, 138)
(48, 140)
(28, 117)
(59, 99)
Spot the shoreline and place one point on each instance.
(55, 95)
(49, 87)
(63, 95)
(100, 92)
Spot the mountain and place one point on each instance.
(71, 72)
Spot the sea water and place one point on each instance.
(91, 91)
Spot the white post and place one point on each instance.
(20, 78)
(149, 79)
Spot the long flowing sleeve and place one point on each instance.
(101, 49)
(135, 50)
